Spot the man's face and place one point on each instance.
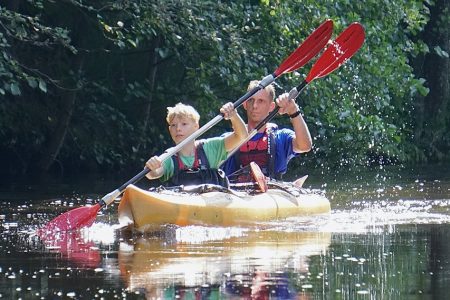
(182, 127)
(259, 106)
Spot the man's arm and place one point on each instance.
(302, 141)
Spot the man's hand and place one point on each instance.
(286, 105)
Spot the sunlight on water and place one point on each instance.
(359, 250)
(101, 233)
(372, 216)
(199, 234)
(385, 238)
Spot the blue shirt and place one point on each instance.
(283, 151)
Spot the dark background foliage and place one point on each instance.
(84, 85)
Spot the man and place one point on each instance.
(271, 148)
(197, 162)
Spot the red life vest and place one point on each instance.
(197, 161)
(256, 151)
(260, 151)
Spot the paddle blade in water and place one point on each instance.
(73, 246)
(308, 49)
(73, 219)
(338, 52)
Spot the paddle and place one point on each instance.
(336, 54)
(85, 216)
(258, 176)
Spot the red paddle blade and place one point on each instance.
(307, 50)
(73, 219)
(258, 176)
(73, 246)
(339, 51)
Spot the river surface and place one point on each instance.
(387, 237)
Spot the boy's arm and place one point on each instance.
(239, 128)
(156, 167)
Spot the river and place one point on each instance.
(387, 237)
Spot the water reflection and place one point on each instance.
(403, 264)
(410, 261)
(385, 239)
(258, 264)
(74, 247)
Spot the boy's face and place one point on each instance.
(182, 127)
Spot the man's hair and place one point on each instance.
(182, 110)
(270, 88)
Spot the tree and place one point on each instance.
(93, 78)
(432, 114)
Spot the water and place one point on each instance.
(386, 238)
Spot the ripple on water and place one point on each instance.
(364, 216)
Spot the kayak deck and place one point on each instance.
(148, 208)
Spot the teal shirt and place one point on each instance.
(215, 153)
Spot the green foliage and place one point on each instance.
(21, 35)
(103, 54)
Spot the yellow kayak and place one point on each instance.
(217, 207)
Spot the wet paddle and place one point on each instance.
(259, 177)
(85, 216)
(336, 54)
(300, 181)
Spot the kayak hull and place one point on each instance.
(144, 209)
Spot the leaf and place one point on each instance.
(423, 90)
(15, 89)
(344, 114)
(419, 86)
(121, 44)
(32, 82)
(348, 137)
(133, 43)
(43, 85)
(163, 52)
(440, 52)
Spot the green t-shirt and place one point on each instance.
(214, 150)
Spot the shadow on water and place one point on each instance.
(386, 238)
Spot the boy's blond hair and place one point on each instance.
(270, 88)
(184, 111)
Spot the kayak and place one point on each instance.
(211, 205)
